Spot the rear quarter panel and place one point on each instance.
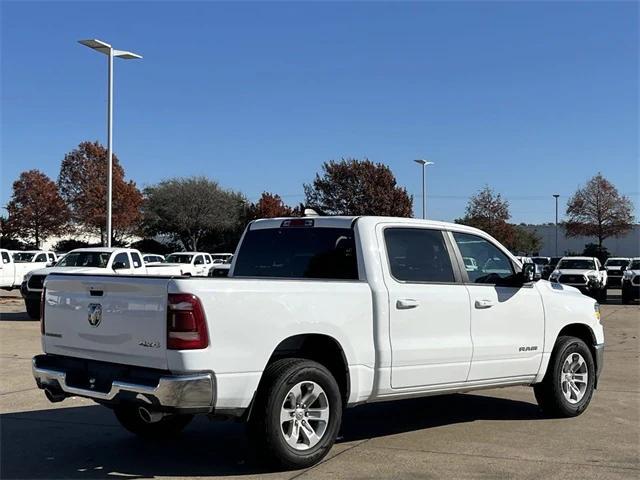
(248, 318)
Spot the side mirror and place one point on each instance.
(530, 273)
(119, 266)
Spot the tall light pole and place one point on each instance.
(424, 164)
(555, 195)
(110, 52)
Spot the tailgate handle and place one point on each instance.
(96, 293)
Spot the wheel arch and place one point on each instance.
(584, 333)
(321, 348)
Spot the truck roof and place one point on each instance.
(347, 221)
(101, 249)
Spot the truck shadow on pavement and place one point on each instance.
(87, 442)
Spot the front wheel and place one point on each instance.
(140, 422)
(33, 309)
(568, 385)
(297, 413)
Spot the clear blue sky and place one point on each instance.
(530, 98)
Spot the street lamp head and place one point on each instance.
(423, 162)
(555, 195)
(104, 47)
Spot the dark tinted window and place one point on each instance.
(298, 252)
(122, 258)
(418, 255)
(41, 258)
(493, 265)
(5, 257)
(577, 264)
(85, 259)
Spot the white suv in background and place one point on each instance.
(584, 273)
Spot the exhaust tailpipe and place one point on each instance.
(150, 417)
(54, 397)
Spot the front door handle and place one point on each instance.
(484, 303)
(406, 303)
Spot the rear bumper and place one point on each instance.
(161, 391)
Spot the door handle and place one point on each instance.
(406, 304)
(484, 303)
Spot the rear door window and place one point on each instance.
(298, 252)
(122, 258)
(418, 255)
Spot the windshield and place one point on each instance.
(179, 258)
(577, 264)
(298, 253)
(634, 265)
(616, 263)
(540, 260)
(85, 259)
(23, 257)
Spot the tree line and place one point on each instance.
(197, 213)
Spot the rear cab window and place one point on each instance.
(305, 252)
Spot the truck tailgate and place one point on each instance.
(115, 319)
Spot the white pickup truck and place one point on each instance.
(190, 264)
(15, 265)
(319, 314)
(99, 260)
(584, 273)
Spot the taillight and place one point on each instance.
(186, 323)
(43, 297)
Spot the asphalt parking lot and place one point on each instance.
(490, 434)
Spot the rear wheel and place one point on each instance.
(33, 309)
(138, 421)
(297, 413)
(568, 385)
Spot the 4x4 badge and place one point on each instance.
(95, 314)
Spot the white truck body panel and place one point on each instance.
(450, 337)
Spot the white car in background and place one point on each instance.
(222, 257)
(189, 264)
(615, 267)
(12, 271)
(98, 260)
(584, 273)
(153, 259)
(35, 256)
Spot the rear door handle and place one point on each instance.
(406, 303)
(484, 303)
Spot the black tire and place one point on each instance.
(549, 393)
(602, 297)
(167, 427)
(265, 430)
(33, 309)
(626, 297)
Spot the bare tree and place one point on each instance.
(598, 210)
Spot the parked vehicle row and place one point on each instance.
(15, 265)
(317, 315)
(631, 281)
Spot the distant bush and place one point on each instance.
(68, 245)
(149, 245)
